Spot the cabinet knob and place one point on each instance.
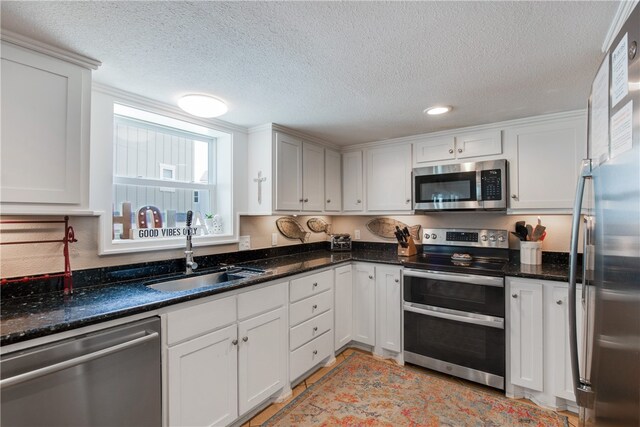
(408, 200)
(358, 201)
(245, 339)
(234, 342)
(459, 150)
(559, 302)
(306, 200)
(370, 277)
(328, 200)
(315, 284)
(397, 280)
(315, 352)
(315, 329)
(314, 306)
(514, 295)
(450, 150)
(514, 196)
(301, 200)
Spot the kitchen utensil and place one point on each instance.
(406, 232)
(529, 231)
(519, 236)
(521, 230)
(520, 223)
(400, 233)
(543, 236)
(537, 233)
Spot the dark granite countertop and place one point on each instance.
(36, 315)
(43, 314)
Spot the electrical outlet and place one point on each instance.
(244, 244)
(274, 239)
(357, 235)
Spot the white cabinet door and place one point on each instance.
(262, 358)
(288, 173)
(526, 334)
(364, 304)
(388, 308)
(44, 136)
(434, 150)
(389, 178)
(343, 306)
(544, 163)
(478, 144)
(332, 181)
(203, 375)
(312, 177)
(559, 340)
(352, 181)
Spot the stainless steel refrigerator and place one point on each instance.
(607, 382)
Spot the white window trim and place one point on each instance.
(102, 177)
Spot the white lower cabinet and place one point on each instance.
(364, 304)
(343, 306)
(538, 334)
(388, 306)
(226, 356)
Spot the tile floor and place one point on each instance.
(272, 409)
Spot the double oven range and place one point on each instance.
(454, 304)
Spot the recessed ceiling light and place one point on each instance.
(202, 105)
(434, 111)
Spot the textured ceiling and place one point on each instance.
(347, 72)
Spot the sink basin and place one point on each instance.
(202, 280)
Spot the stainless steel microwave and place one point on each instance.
(462, 186)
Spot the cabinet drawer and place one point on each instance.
(262, 300)
(193, 321)
(310, 307)
(312, 328)
(310, 285)
(310, 354)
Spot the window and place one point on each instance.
(163, 167)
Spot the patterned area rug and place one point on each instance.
(363, 391)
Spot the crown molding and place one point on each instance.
(279, 128)
(56, 52)
(623, 12)
(139, 100)
(486, 127)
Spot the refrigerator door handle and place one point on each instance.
(584, 395)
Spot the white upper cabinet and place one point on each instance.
(332, 181)
(286, 173)
(352, 181)
(544, 160)
(389, 178)
(45, 107)
(464, 146)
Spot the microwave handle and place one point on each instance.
(479, 185)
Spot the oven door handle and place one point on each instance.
(471, 279)
(458, 316)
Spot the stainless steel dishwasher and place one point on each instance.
(106, 378)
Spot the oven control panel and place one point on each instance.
(466, 237)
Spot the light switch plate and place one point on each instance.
(244, 243)
(357, 235)
(274, 239)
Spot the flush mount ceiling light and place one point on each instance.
(202, 105)
(434, 111)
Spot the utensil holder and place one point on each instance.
(531, 253)
(409, 250)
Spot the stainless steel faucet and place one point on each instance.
(191, 264)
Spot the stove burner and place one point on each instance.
(442, 262)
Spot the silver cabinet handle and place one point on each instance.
(301, 200)
(75, 361)
(306, 200)
(559, 302)
(234, 342)
(397, 280)
(450, 150)
(315, 329)
(245, 339)
(315, 352)
(514, 196)
(408, 200)
(514, 295)
(315, 284)
(459, 150)
(359, 201)
(370, 277)
(328, 200)
(315, 306)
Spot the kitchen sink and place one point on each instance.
(203, 280)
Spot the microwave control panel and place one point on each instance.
(491, 184)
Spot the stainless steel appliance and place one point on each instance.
(340, 242)
(453, 304)
(462, 186)
(106, 378)
(608, 385)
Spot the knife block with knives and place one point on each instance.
(406, 246)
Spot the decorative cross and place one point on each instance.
(260, 179)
